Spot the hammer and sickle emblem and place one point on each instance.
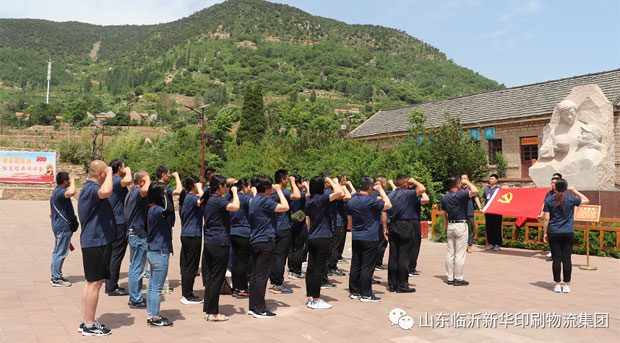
(506, 198)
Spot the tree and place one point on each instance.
(253, 122)
(313, 96)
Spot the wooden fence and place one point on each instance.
(604, 225)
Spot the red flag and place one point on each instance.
(518, 202)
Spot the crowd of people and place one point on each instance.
(252, 227)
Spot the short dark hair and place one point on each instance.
(263, 183)
(156, 194)
(452, 182)
(241, 183)
(341, 177)
(61, 177)
(401, 179)
(381, 177)
(280, 175)
(317, 185)
(208, 173)
(115, 164)
(253, 180)
(556, 176)
(366, 183)
(160, 171)
(325, 174)
(298, 179)
(494, 175)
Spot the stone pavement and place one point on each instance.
(511, 281)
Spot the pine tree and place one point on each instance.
(313, 96)
(253, 122)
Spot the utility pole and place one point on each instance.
(49, 77)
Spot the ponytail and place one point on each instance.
(560, 187)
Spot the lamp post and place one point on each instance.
(129, 116)
(202, 138)
(350, 117)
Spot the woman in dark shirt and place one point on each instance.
(159, 241)
(191, 235)
(319, 222)
(217, 243)
(240, 240)
(560, 230)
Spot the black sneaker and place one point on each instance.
(60, 282)
(375, 282)
(354, 296)
(460, 283)
(370, 299)
(450, 282)
(95, 330)
(118, 292)
(161, 321)
(327, 285)
(265, 314)
(380, 267)
(133, 304)
(82, 325)
(335, 272)
(405, 290)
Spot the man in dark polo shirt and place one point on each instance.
(163, 175)
(98, 234)
(454, 205)
(400, 233)
(263, 223)
(136, 209)
(382, 241)
(471, 228)
(62, 215)
(364, 212)
(283, 232)
(120, 181)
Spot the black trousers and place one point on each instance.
(337, 242)
(263, 255)
(561, 245)
(283, 245)
(190, 259)
(381, 246)
(214, 264)
(298, 249)
(400, 237)
(119, 247)
(240, 262)
(471, 230)
(415, 245)
(342, 243)
(494, 228)
(362, 267)
(318, 253)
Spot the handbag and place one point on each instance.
(74, 225)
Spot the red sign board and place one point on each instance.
(588, 213)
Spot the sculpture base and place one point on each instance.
(609, 201)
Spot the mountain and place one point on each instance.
(229, 44)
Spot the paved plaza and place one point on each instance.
(509, 299)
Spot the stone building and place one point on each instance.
(509, 120)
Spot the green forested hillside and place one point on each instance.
(230, 44)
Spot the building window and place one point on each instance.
(495, 146)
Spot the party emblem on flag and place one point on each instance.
(506, 198)
(518, 202)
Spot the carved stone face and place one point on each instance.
(569, 115)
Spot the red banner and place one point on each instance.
(518, 202)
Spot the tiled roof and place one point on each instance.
(510, 103)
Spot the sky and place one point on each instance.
(514, 42)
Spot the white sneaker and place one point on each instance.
(557, 288)
(318, 305)
(565, 289)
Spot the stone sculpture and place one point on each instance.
(578, 142)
